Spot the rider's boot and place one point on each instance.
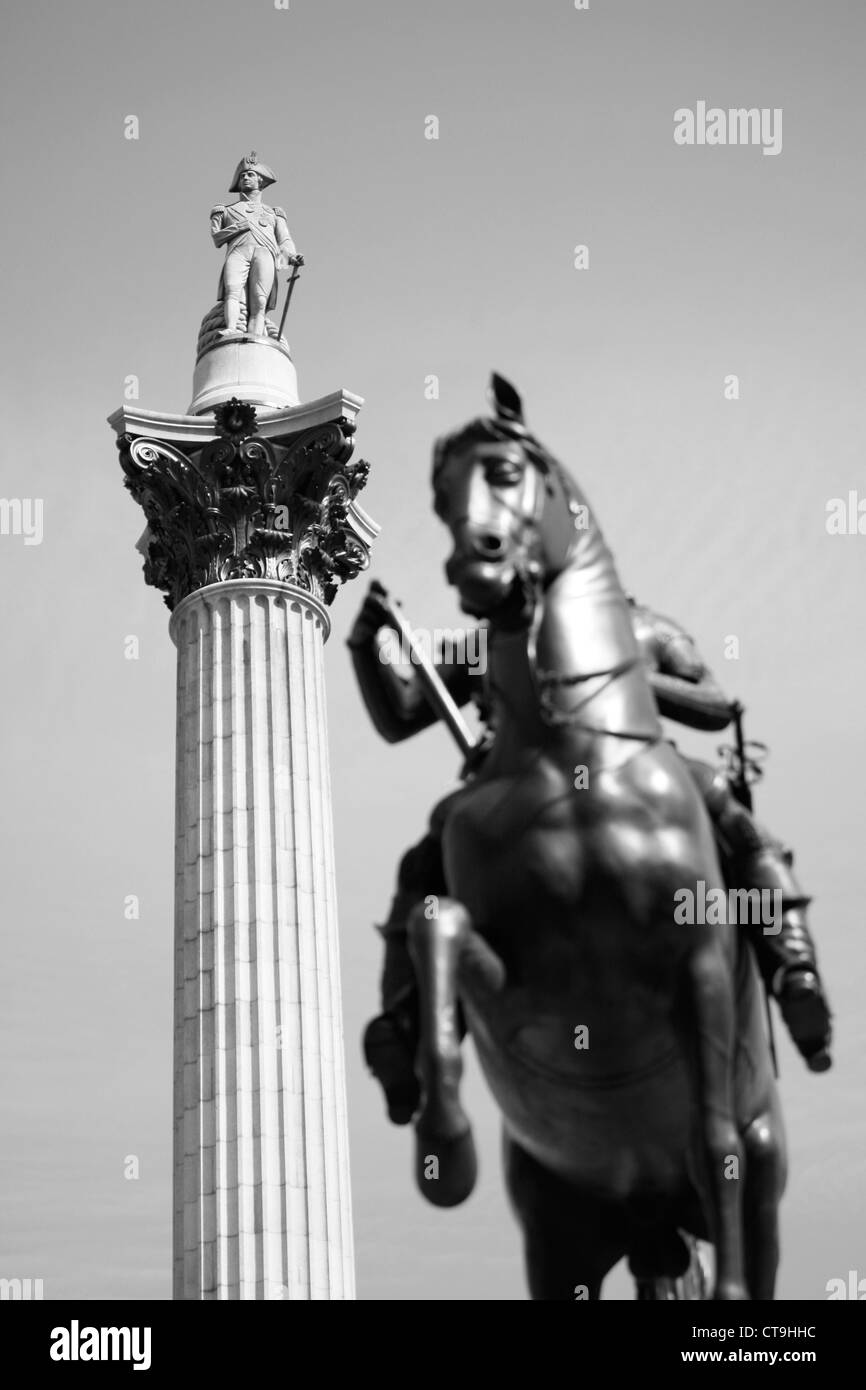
(786, 957)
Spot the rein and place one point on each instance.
(547, 681)
(568, 719)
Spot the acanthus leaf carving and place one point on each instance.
(247, 507)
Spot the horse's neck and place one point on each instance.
(514, 692)
(586, 659)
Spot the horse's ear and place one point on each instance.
(505, 400)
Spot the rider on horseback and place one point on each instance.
(685, 691)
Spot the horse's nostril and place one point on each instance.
(489, 544)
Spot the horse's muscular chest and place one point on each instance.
(509, 836)
(566, 882)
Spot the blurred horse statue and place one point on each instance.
(622, 1038)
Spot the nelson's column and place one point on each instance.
(252, 525)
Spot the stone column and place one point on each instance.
(261, 1142)
(250, 537)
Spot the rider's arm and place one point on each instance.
(684, 687)
(390, 687)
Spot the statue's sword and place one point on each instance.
(294, 276)
(434, 687)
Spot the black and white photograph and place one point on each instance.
(433, 554)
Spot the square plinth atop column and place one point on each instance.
(271, 424)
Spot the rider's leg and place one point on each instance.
(786, 958)
(260, 284)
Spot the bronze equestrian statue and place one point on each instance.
(685, 691)
(626, 1051)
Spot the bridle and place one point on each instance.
(530, 576)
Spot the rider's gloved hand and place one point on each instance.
(372, 615)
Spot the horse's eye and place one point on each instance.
(504, 474)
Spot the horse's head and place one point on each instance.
(510, 509)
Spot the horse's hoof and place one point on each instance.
(388, 1054)
(445, 1167)
(820, 1060)
(731, 1293)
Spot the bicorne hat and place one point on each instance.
(251, 161)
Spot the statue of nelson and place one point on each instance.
(259, 244)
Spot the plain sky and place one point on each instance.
(444, 257)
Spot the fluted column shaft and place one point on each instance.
(262, 1201)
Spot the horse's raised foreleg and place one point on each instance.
(440, 938)
(712, 994)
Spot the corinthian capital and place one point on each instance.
(243, 506)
